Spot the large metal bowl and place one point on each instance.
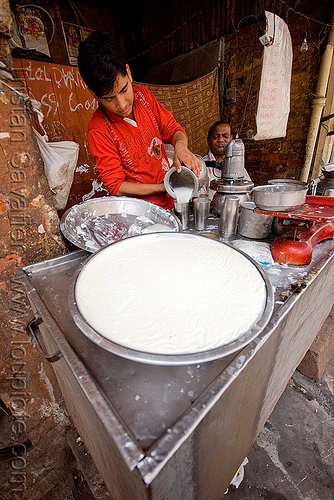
(282, 197)
(146, 241)
(86, 224)
(288, 181)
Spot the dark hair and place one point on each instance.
(219, 122)
(100, 60)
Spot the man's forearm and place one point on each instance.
(138, 189)
(183, 155)
(179, 139)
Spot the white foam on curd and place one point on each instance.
(183, 194)
(170, 294)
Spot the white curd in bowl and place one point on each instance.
(170, 293)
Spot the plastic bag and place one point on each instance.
(258, 250)
(60, 159)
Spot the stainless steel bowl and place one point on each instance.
(288, 181)
(282, 197)
(171, 359)
(96, 223)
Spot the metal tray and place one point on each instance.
(96, 223)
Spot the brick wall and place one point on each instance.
(32, 443)
(283, 157)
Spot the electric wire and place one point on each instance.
(162, 40)
(75, 10)
(303, 15)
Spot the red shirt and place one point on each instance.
(133, 152)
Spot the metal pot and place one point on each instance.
(253, 225)
(146, 241)
(282, 197)
(323, 185)
(328, 192)
(185, 178)
(219, 199)
(328, 170)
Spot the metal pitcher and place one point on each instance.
(185, 178)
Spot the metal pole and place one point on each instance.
(221, 56)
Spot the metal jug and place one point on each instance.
(234, 161)
(185, 178)
(219, 199)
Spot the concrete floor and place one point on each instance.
(293, 457)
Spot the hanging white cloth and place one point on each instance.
(274, 97)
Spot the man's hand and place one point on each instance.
(183, 155)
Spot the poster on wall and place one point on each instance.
(85, 32)
(72, 35)
(31, 28)
(274, 97)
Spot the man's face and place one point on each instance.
(120, 100)
(220, 135)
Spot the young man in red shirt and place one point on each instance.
(127, 132)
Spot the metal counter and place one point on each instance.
(176, 432)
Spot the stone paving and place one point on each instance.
(293, 457)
